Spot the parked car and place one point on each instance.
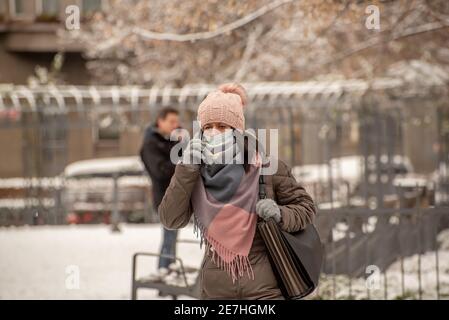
(351, 178)
(94, 187)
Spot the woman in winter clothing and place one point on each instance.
(222, 196)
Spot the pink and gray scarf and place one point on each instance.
(224, 205)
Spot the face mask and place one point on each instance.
(219, 147)
(218, 139)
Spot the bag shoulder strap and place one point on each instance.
(262, 191)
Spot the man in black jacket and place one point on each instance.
(155, 154)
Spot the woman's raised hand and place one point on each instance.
(193, 152)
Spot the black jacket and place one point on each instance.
(155, 155)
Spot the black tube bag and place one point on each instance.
(296, 258)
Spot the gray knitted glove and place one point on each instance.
(193, 152)
(267, 208)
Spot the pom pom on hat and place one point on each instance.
(236, 89)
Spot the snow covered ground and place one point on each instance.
(374, 286)
(38, 262)
(42, 263)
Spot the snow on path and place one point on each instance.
(34, 260)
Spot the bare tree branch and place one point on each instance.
(151, 35)
(429, 27)
(248, 52)
(297, 41)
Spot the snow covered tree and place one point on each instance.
(176, 42)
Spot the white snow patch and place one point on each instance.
(33, 260)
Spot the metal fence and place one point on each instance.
(373, 155)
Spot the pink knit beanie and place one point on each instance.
(224, 105)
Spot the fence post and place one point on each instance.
(115, 210)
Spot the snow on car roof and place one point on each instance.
(349, 168)
(105, 167)
(106, 183)
(26, 203)
(20, 183)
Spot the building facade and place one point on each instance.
(28, 37)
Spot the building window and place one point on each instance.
(108, 126)
(91, 6)
(17, 8)
(50, 7)
(2, 11)
(47, 10)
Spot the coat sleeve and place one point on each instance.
(297, 207)
(175, 209)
